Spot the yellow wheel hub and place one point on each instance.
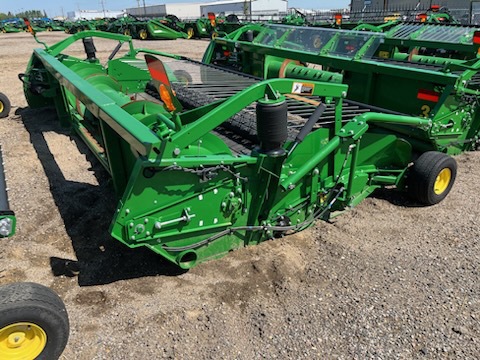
(143, 34)
(1, 107)
(442, 181)
(190, 33)
(22, 341)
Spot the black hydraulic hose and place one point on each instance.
(312, 120)
(115, 51)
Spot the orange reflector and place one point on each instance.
(29, 26)
(476, 37)
(338, 19)
(428, 95)
(211, 17)
(166, 98)
(422, 17)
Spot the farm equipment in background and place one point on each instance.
(159, 29)
(200, 28)
(436, 15)
(252, 144)
(12, 26)
(46, 24)
(79, 25)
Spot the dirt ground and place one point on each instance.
(385, 280)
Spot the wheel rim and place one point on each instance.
(1, 106)
(22, 341)
(190, 33)
(214, 35)
(442, 181)
(143, 34)
(127, 32)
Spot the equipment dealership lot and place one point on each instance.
(385, 280)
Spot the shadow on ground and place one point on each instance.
(86, 211)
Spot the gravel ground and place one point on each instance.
(385, 280)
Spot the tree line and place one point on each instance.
(28, 14)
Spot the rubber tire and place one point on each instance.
(423, 174)
(143, 34)
(35, 303)
(6, 106)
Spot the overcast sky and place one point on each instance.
(54, 7)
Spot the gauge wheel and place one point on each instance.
(183, 76)
(143, 34)
(190, 33)
(49, 29)
(213, 35)
(4, 106)
(127, 32)
(431, 177)
(33, 322)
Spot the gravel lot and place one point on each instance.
(385, 280)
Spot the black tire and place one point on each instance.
(431, 177)
(5, 106)
(232, 18)
(24, 309)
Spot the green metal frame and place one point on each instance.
(184, 193)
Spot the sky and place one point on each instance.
(54, 7)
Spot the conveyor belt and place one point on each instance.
(207, 83)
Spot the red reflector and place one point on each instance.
(435, 8)
(211, 16)
(428, 95)
(476, 37)
(226, 53)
